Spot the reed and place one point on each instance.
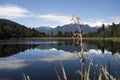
(56, 73)
(25, 77)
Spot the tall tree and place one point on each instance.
(60, 34)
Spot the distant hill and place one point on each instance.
(65, 28)
(10, 29)
(45, 29)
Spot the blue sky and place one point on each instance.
(35, 13)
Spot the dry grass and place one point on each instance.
(25, 77)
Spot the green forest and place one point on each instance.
(10, 29)
(106, 31)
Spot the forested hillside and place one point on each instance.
(10, 29)
(106, 31)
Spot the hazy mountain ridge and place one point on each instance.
(44, 29)
(65, 28)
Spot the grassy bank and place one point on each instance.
(65, 38)
(106, 39)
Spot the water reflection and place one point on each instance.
(103, 45)
(16, 47)
(8, 50)
(61, 55)
(12, 64)
(24, 59)
(37, 60)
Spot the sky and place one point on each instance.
(36, 13)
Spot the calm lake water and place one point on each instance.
(37, 58)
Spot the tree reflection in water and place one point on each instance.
(8, 50)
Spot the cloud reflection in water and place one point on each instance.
(12, 63)
(46, 55)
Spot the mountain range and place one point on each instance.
(65, 28)
(11, 29)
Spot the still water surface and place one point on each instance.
(37, 58)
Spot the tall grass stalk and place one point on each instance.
(25, 77)
(63, 70)
(107, 75)
(56, 73)
(100, 77)
(78, 39)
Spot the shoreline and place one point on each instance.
(63, 38)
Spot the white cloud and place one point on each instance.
(12, 11)
(97, 52)
(60, 56)
(62, 20)
(56, 18)
(55, 56)
(93, 51)
(12, 64)
(115, 19)
(99, 22)
(94, 23)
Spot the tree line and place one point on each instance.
(106, 31)
(10, 29)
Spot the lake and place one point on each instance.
(38, 59)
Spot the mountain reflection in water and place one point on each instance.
(36, 58)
